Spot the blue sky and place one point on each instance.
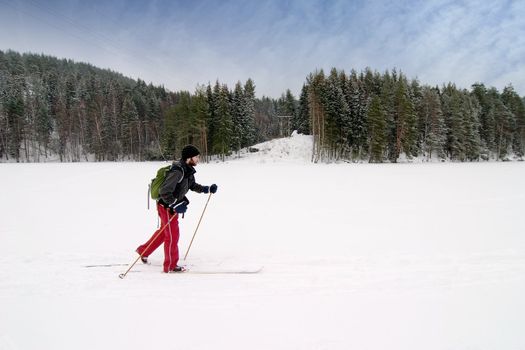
(181, 44)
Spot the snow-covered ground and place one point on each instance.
(355, 256)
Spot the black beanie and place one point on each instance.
(189, 151)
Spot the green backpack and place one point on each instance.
(156, 183)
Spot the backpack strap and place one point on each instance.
(177, 165)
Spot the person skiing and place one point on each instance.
(172, 202)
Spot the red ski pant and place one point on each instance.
(170, 238)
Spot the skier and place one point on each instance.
(172, 202)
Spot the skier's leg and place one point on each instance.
(156, 240)
(171, 243)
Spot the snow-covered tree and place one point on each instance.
(432, 124)
(301, 120)
(377, 131)
(517, 107)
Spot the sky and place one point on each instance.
(181, 43)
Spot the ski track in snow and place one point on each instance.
(66, 275)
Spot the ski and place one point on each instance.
(211, 272)
(192, 270)
(105, 265)
(113, 265)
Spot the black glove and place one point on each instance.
(208, 189)
(178, 208)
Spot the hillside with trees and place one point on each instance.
(57, 109)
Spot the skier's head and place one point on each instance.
(190, 154)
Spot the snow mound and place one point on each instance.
(297, 148)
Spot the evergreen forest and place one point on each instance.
(375, 117)
(58, 109)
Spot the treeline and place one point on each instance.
(59, 109)
(382, 117)
(56, 108)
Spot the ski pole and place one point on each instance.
(185, 256)
(122, 275)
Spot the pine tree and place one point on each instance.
(504, 123)
(185, 121)
(337, 122)
(388, 101)
(290, 103)
(222, 140)
(461, 111)
(237, 114)
(31, 115)
(44, 125)
(14, 110)
(248, 122)
(316, 93)
(152, 122)
(71, 107)
(301, 120)
(201, 112)
(415, 93)
(377, 131)
(452, 110)
(517, 107)
(406, 120)
(88, 111)
(432, 124)
(470, 112)
(371, 82)
(169, 134)
(3, 115)
(214, 123)
(130, 118)
(487, 129)
(357, 120)
(82, 118)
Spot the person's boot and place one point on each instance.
(178, 269)
(144, 259)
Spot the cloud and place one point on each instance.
(278, 43)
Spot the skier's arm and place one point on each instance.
(169, 185)
(197, 188)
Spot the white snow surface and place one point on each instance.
(355, 256)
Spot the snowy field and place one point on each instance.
(355, 256)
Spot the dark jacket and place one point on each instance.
(179, 180)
